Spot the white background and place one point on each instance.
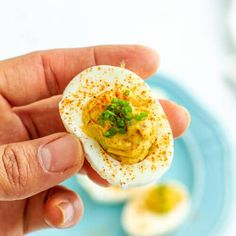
(191, 36)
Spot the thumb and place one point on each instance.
(30, 167)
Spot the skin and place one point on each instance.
(30, 88)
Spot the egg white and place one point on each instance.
(107, 195)
(138, 220)
(92, 82)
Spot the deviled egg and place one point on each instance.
(125, 133)
(158, 211)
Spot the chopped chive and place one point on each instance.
(124, 103)
(138, 118)
(119, 102)
(119, 115)
(115, 100)
(128, 116)
(144, 114)
(110, 113)
(112, 119)
(141, 116)
(117, 110)
(111, 107)
(120, 123)
(111, 132)
(127, 92)
(127, 109)
(106, 115)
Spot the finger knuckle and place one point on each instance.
(15, 171)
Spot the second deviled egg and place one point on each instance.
(158, 211)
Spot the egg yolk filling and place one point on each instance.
(124, 128)
(162, 199)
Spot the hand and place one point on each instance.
(35, 153)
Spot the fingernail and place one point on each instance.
(61, 154)
(67, 211)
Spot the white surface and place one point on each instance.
(188, 34)
(232, 20)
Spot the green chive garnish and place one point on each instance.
(128, 116)
(119, 115)
(127, 92)
(111, 132)
(141, 116)
(121, 122)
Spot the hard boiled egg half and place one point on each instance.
(157, 211)
(125, 133)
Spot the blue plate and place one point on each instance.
(201, 162)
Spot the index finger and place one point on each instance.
(42, 74)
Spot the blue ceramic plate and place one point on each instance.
(201, 162)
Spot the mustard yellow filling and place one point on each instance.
(130, 144)
(162, 199)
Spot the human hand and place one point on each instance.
(35, 153)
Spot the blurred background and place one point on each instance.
(195, 38)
